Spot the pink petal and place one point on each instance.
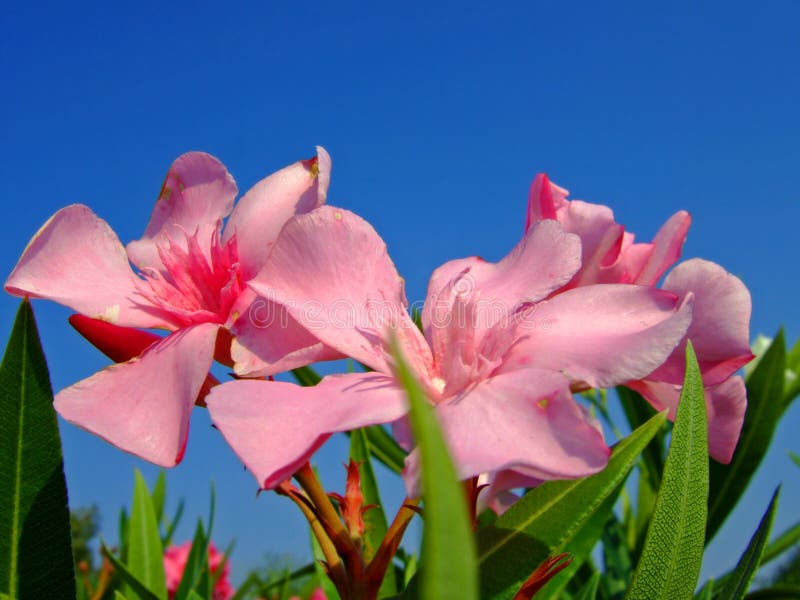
(720, 329)
(601, 334)
(331, 271)
(725, 408)
(197, 193)
(77, 260)
(544, 200)
(601, 238)
(275, 427)
(544, 260)
(262, 212)
(667, 245)
(268, 340)
(143, 406)
(527, 421)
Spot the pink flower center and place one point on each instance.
(195, 287)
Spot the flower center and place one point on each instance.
(195, 287)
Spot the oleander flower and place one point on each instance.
(720, 328)
(502, 346)
(189, 277)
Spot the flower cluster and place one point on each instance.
(282, 280)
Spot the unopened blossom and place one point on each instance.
(501, 348)
(719, 331)
(175, 558)
(189, 277)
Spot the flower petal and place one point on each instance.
(601, 334)
(544, 200)
(725, 408)
(197, 193)
(275, 427)
(77, 260)
(666, 248)
(263, 211)
(527, 421)
(720, 328)
(143, 406)
(544, 260)
(268, 340)
(348, 292)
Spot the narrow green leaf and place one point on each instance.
(617, 562)
(549, 517)
(173, 525)
(159, 496)
(135, 589)
(35, 544)
(306, 376)
(145, 553)
(589, 591)
(795, 458)
(118, 595)
(194, 596)
(195, 563)
(580, 547)
(707, 591)
(448, 546)
(252, 581)
(764, 409)
(123, 534)
(738, 583)
(775, 592)
(781, 544)
(385, 448)
(637, 411)
(673, 550)
(375, 524)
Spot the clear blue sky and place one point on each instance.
(437, 119)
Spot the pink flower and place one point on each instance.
(175, 558)
(500, 350)
(720, 315)
(190, 279)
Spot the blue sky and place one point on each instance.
(437, 119)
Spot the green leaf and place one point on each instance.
(589, 591)
(375, 524)
(781, 544)
(385, 448)
(738, 583)
(118, 595)
(764, 409)
(673, 550)
(707, 591)
(35, 544)
(580, 547)
(775, 592)
(173, 525)
(145, 558)
(135, 588)
(306, 376)
(795, 458)
(637, 411)
(448, 546)
(549, 517)
(196, 563)
(159, 496)
(616, 559)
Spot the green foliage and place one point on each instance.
(84, 525)
(375, 524)
(35, 551)
(737, 584)
(765, 405)
(673, 551)
(448, 546)
(145, 554)
(549, 517)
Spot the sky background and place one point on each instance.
(437, 119)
